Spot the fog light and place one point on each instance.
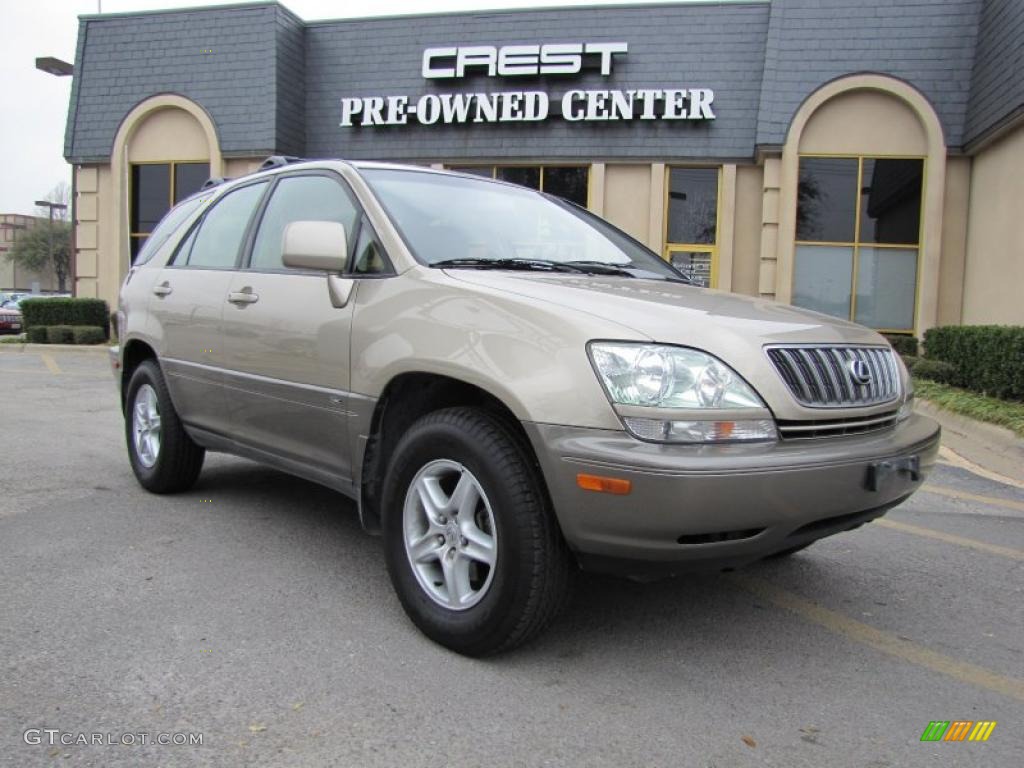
(741, 431)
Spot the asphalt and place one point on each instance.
(255, 612)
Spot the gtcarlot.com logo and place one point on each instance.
(54, 737)
(958, 730)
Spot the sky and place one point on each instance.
(34, 117)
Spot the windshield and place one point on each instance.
(456, 221)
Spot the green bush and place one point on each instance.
(60, 334)
(986, 358)
(934, 370)
(66, 311)
(910, 361)
(36, 335)
(88, 334)
(904, 345)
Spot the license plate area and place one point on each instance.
(882, 473)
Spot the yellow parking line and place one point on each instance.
(954, 494)
(886, 642)
(49, 362)
(949, 538)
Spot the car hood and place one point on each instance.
(676, 313)
(734, 328)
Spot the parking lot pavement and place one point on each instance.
(254, 611)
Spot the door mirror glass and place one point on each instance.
(319, 245)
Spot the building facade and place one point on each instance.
(12, 276)
(864, 159)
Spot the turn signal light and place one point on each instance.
(614, 485)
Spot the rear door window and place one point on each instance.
(219, 239)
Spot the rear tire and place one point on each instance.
(163, 457)
(462, 495)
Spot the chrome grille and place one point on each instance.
(822, 376)
(803, 430)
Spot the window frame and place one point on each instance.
(457, 167)
(670, 246)
(133, 236)
(193, 230)
(856, 244)
(351, 238)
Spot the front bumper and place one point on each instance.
(719, 506)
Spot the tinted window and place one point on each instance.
(826, 199)
(524, 176)
(220, 234)
(567, 183)
(189, 179)
(151, 196)
(300, 198)
(693, 205)
(167, 227)
(890, 201)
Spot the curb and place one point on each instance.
(26, 347)
(993, 447)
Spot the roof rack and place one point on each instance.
(214, 181)
(278, 161)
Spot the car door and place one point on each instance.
(188, 304)
(287, 346)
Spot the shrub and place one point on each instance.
(904, 345)
(60, 334)
(934, 370)
(88, 334)
(66, 311)
(986, 358)
(36, 334)
(910, 361)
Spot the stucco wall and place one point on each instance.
(994, 272)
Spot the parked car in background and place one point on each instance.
(10, 320)
(508, 386)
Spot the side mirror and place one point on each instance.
(319, 245)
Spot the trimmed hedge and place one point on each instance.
(60, 334)
(934, 370)
(66, 311)
(904, 345)
(88, 334)
(986, 358)
(36, 335)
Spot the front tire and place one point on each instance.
(163, 457)
(472, 546)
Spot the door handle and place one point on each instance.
(242, 297)
(163, 289)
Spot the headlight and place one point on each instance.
(657, 376)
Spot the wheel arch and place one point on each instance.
(410, 396)
(135, 352)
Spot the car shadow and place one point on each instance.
(608, 615)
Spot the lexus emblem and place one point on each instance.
(859, 371)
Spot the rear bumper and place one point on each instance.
(711, 507)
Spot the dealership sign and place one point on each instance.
(510, 61)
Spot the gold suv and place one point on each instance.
(509, 387)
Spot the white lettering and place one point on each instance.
(372, 109)
(648, 97)
(561, 58)
(596, 104)
(396, 110)
(428, 109)
(675, 104)
(510, 103)
(622, 105)
(518, 60)
(349, 108)
(569, 111)
(607, 50)
(455, 107)
(535, 106)
(476, 56)
(429, 70)
(700, 104)
(486, 107)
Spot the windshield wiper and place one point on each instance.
(525, 264)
